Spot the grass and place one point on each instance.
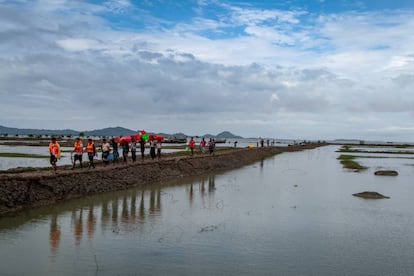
(22, 155)
(403, 146)
(348, 162)
(349, 149)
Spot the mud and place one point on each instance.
(29, 189)
(370, 195)
(387, 173)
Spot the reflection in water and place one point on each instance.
(104, 213)
(152, 203)
(125, 211)
(133, 210)
(54, 235)
(91, 222)
(261, 164)
(142, 208)
(110, 212)
(115, 210)
(78, 226)
(191, 194)
(202, 189)
(211, 184)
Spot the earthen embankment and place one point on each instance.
(29, 189)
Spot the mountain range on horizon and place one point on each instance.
(109, 131)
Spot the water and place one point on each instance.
(293, 214)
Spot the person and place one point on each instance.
(153, 144)
(191, 145)
(78, 152)
(211, 146)
(91, 150)
(261, 143)
(235, 144)
(106, 149)
(203, 145)
(159, 144)
(114, 149)
(133, 147)
(125, 150)
(54, 150)
(142, 145)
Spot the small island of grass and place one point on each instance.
(22, 155)
(348, 162)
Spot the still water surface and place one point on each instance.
(292, 214)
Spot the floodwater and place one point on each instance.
(292, 214)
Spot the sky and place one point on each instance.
(293, 69)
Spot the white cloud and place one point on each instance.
(79, 44)
(341, 76)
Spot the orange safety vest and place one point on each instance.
(54, 149)
(78, 147)
(89, 147)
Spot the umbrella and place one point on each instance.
(136, 136)
(116, 139)
(159, 137)
(125, 139)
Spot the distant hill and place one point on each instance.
(227, 134)
(223, 135)
(109, 131)
(30, 131)
(178, 135)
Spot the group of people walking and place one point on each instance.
(109, 149)
(203, 144)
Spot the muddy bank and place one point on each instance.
(29, 189)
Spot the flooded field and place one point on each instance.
(293, 214)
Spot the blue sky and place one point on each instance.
(283, 69)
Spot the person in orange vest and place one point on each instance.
(91, 150)
(54, 150)
(78, 150)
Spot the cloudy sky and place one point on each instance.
(316, 69)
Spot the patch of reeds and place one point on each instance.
(349, 149)
(348, 162)
(22, 155)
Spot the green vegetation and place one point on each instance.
(403, 146)
(349, 149)
(348, 162)
(26, 169)
(22, 155)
